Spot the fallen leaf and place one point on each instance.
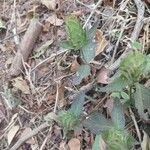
(21, 84)
(75, 66)
(109, 105)
(11, 134)
(101, 42)
(74, 144)
(50, 98)
(77, 13)
(62, 146)
(2, 48)
(46, 27)
(8, 62)
(50, 4)
(102, 76)
(25, 132)
(61, 96)
(54, 20)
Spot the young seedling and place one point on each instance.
(80, 40)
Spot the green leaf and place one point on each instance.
(125, 95)
(99, 144)
(68, 120)
(97, 123)
(50, 116)
(66, 45)
(136, 45)
(142, 99)
(116, 95)
(147, 68)
(76, 34)
(118, 115)
(77, 105)
(88, 51)
(91, 32)
(116, 86)
(40, 51)
(133, 66)
(84, 71)
(118, 139)
(96, 145)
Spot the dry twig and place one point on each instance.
(136, 31)
(26, 47)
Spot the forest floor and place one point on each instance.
(46, 83)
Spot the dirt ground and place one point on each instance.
(26, 98)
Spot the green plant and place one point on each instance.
(80, 40)
(132, 70)
(126, 90)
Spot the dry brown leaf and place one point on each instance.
(77, 13)
(109, 105)
(2, 48)
(102, 76)
(101, 42)
(25, 132)
(50, 4)
(61, 96)
(21, 84)
(74, 144)
(63, 146)
(75, 66)
(8, 62)
(46, 27)
(51, 98)
(11, 134)
(54, 20)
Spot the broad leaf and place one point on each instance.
(76, 34)
(88, 52)
(66, 45)
(142, 99)
(84, 71)
(133, 66)
(118, 139)
(136, 45)
(92, 31)
(116, 86)
(68, 120)
(97, 123)
(118, 115)
(147, 68)
(77, 105)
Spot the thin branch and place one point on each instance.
(136, 125)
(92, 12)
(136, 31)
